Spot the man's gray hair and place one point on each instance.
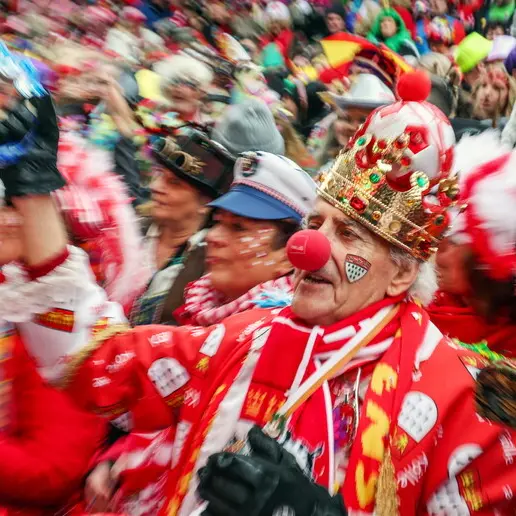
(425, 286)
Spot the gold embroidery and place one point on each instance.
(254, 403)
(79, 358)
(202, 365)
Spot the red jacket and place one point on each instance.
(190, 373)
(460, 321)
(46, 441)
(406, 16)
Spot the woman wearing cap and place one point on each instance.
(470, 56)
(477, 262)
(179, 193)
(246, 256)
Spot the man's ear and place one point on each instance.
(403, 279)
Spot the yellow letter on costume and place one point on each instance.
(384, 377)
(365, 490)
(372, 438)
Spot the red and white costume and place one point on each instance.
(487, 225)
(96, 207)
(408, 395)
(213, 383)
(46, 440)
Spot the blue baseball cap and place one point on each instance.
(268, 187)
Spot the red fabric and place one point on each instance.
(455, 423)
(459, 321)
(48, 443)
(406, 16)
(168, 365)
(37, 271)
(284, 41)
(278, 366)
(459, 33)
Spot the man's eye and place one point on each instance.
(347, 233)
(313, 225)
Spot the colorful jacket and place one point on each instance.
(422, 32)
(446, 458)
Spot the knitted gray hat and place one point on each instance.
(247, 127)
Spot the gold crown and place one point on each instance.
(360, 184)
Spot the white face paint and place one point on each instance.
(253, 245)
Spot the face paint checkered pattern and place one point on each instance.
(356, 267)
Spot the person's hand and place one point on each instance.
(118, 108)
(34, 171)
(262, 483)
(99, 488)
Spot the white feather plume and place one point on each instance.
(474, 151)
(471, 153)
(494, 200)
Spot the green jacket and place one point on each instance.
(501, 13)
(395, 42)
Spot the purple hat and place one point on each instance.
(502, 47)
(510, 61)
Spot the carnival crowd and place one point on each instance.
(258, 257)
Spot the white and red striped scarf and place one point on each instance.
(205, 306)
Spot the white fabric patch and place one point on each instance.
(213, 341)
(462, 457)
(418, 415)
(183, 429)
(167, 375)
(124, 422)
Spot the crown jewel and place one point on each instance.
(373, 181)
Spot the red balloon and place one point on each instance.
(308, 250)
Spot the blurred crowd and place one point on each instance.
(158, 156)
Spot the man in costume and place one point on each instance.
(343, 381)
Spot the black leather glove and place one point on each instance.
(36, 171)
(17, 124)
(265, 483)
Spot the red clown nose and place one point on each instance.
(308, 250)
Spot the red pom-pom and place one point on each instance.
(414, 86)
(308, 250)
